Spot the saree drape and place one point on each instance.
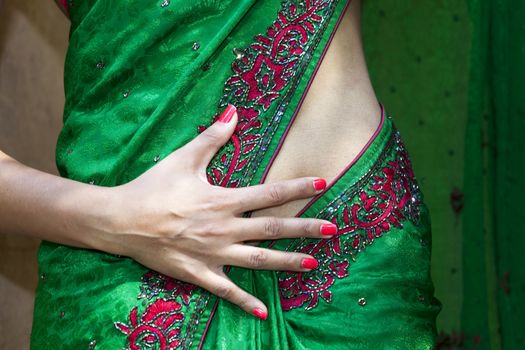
(453, 72)
(142, 79)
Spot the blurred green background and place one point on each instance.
(451, 74)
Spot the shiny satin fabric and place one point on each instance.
(141, 80)
(372, 288)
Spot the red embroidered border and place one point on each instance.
(384, 198)
(260, 77)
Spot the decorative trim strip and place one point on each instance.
(265, 75)
(310, 81)
(383, 198)
(268, 71)
(349, 165)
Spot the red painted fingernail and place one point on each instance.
(309, 263)
(328, 229)
(260, 313)
(319, 184)
(228, 113)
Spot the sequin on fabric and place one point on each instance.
(265, 73)
(172, 305)
(158, 325)
(381, 199)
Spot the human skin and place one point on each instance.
(338, 116)
(146, 220)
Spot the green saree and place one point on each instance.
(141, 80)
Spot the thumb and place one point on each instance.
(202, 148)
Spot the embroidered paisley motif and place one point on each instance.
(155, 284)
(158, 326)
(384, 198)
(264, 74)
(170, 302)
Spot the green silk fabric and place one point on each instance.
(141, 80)
(384, 298)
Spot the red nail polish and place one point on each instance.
(319, 184)
(227, 114)
(328, 229)
(309, 263)
(260, 313)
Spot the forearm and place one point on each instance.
(48, 207)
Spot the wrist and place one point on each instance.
(100, 218)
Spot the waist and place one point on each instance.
(127, 109)
(323, 145)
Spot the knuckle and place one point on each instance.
(213, 203)
(230, 202)
(309, 227)
(258, 258)
(223, 291)
(275, 193)
(186, 275)
(306, 187)
(211, 136)
(243, 303)
(181, 270)
(272, 227)
(240, 201)
(295, 259)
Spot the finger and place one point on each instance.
(269, 195)
(263, 228)
(201, 149)
(258, 258)
(223, 287)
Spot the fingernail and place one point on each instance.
(319, 184)
(260, 313)
(227, 114)
(328, 229)
(309, 263)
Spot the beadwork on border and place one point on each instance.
(386, 196)
(264, 74)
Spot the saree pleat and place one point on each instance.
(142, 79)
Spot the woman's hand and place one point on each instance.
(173, 221)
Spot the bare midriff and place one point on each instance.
(339, 115)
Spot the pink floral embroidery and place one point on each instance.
(309, 287)
(260, 77)
(243, 142)
(155, 283)
(158, 326)
(390, 196)
(269, 64)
